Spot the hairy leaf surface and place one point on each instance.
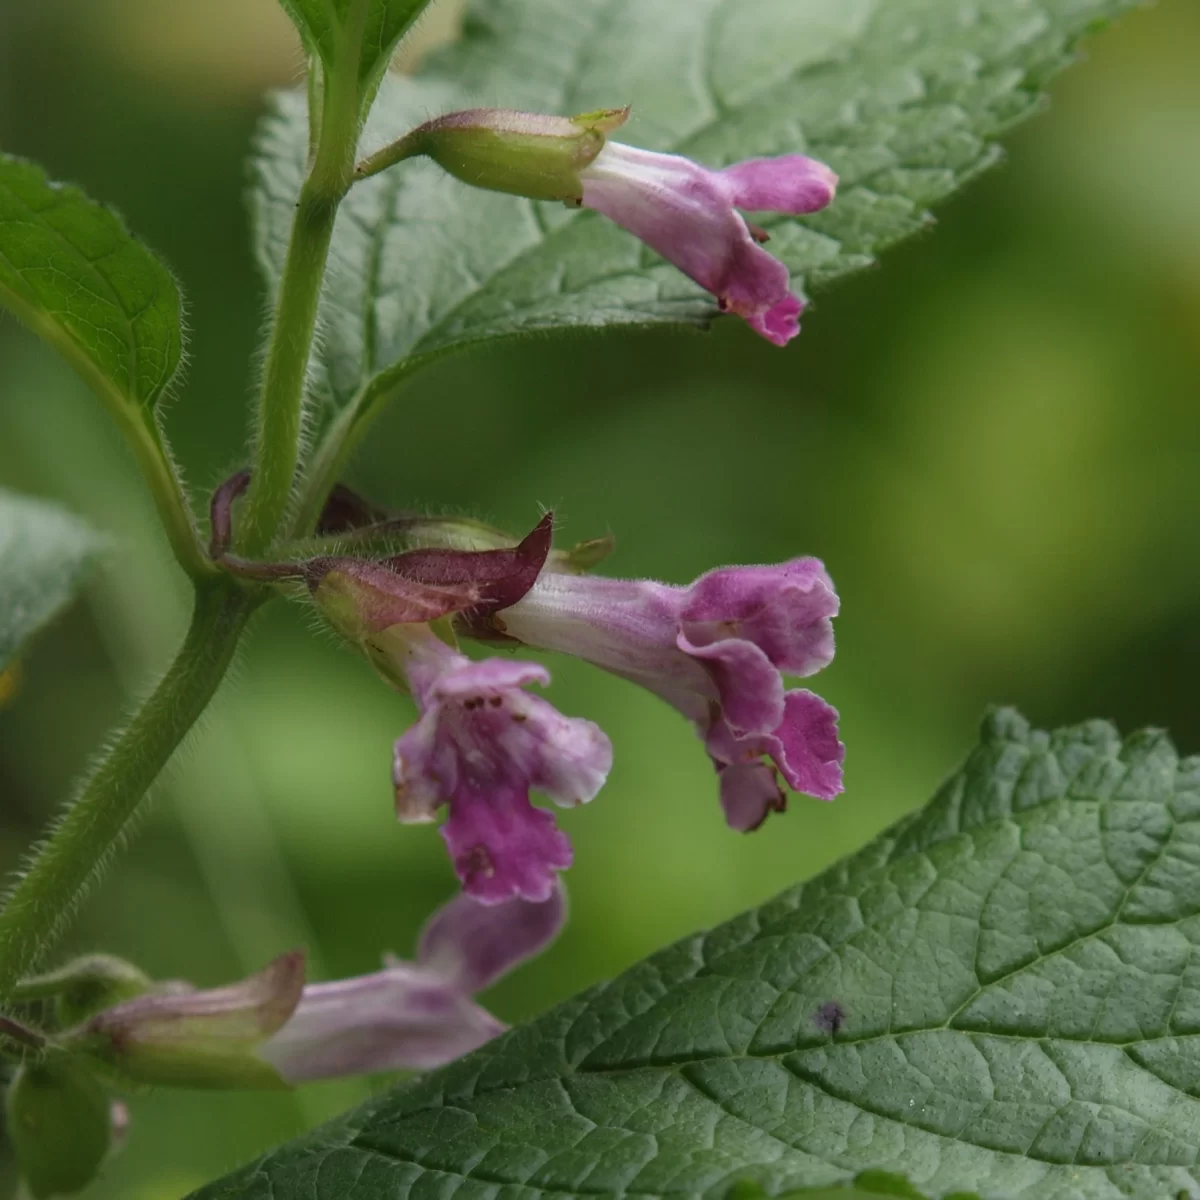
(76, 276)
(44, 553)
(904, 98)
(1000, 997)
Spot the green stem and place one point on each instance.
(408, 146)
(281, 402)
(327, 463)
(70, 860)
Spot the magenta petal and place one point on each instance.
(786, 610)
(780, 323)
(808, 752)
(790, 183)
(750, 792)
(749, 687)
(754, 283)
(481, 744)
(492, 677)
(503, 847)
(471, 945)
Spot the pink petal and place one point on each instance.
(790, 183)
(471, 945)
(401, 1018)
(808, 751)
(785, 609)
(750, 792)
(503, 847)
(749, 687)
(779, 324)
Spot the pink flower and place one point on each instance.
(688, 214)
(415, 1016)
(271, 1029)
(481, 744)
(715, 651)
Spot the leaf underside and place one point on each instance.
(999, 997)
(319, 23)
(44, 554)
(71, 270)
(902, 97)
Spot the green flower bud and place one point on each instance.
(527, 154)
(60, 1125)
(85, 986)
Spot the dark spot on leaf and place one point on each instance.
(830, 1017)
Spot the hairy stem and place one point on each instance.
(331, 456)
(85, 836)
(281, 401)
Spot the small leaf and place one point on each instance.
(320, 21)
(903, 99)
(44, 553)
(1016, 968)
(75, 275)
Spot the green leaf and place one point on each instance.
(44, 553)
(75, 275)
(1000, 995)
(71, 270)
(904, 99)
(320, 22)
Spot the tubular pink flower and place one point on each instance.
(716, 651)
(688, 214)
(271, 1029)
(481, 744)
(415, 1016)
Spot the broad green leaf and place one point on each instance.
(999, 996)
(904, 98)
(71, 270)
(319, 23)
(44, 553)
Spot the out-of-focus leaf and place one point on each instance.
(904, 99)
(44, 553)
(997, 996)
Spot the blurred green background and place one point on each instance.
(993, 441)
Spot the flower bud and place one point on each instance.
(527, 154)
(85, 986)
(60, 1125)
(197, 1039)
